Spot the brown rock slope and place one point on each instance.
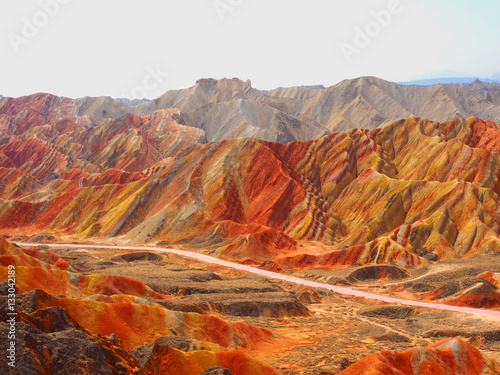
(355, 197)
(230, 108)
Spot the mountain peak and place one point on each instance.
(206, 82)
(214, 82)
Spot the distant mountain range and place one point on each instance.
(495, 77)
(132, 102)
(231, 108)
(478, 85)
(447, 76)
(448, 80)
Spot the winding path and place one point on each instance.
(275, 275)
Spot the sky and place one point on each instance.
(126, 48)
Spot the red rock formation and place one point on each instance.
(15, 184)
(446, 357)
(32, 156)
(468, 292)
(366, 197)
(85, 111)
(106, 304)
(134, 143)
(50, 340)
(47, 136)
(169, 361)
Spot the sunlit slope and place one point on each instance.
(394, 194)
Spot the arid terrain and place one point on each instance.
(221, 314)
(366, 185)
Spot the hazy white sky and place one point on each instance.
(143, 48)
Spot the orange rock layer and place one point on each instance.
(105, 304)
(168, 361)
(446, 357)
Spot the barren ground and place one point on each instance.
(340, 331)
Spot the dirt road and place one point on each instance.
(274, 275)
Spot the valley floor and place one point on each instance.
(338, 331)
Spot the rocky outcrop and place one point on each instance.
(467, 292)
(103, 304)
(446, 357)
(217, 370)
(377, 272)
(69, 322)
(84, 112)
(388, 311)
(66, 351)
(169, 361)
(275, 305)
(50, 341)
